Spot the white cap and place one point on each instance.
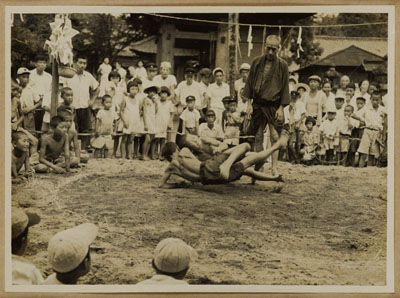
(23, 70)
(244, 66)
(165, 64)
(68, 248)
(218, 69)
(172, 255)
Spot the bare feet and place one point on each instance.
(224, 170)
(274, 172)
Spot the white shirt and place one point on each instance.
(299, 110)
(217, 93)
(184, 90)
(327, 101)
(366, 96)
(122, 73)
(329, 128)
(239, 85)
(24, 272)
(41, 84)
(47, 103)
(147, 83)
(169, 82)
(374, 118)
(343, 125)
(81, 86)
(141, 73)
(27, 98)
(215, 132)
(191, 117)
(340, 93)
(161, 279)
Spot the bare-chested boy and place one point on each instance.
(20, 155)
(53, 145)
(76, 156)
(221, 168)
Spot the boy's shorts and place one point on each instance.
(102, 142)
(210, 172)
(329, 143)
(368, 144)
(344, 143)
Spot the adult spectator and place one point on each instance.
(344, 81)
(364, 86)
(69, 254)
(151, 74)
(165, 78)
(216, 92)
(23, 272)
(40, 81)
(85, 91)
(141, 72)
(241, 82)
(314, 98)
(171, 262)
(103, 71)
(268, 86)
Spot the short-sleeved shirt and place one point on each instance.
(107, 119)
(169, 82)
(329, 128)
(41, 84)
(344, 128)
(147, 83)
(217, 93)
(27, 98)
(81, 86)
(239, 85)
(190, 117)
(299, 110)
(374, 118)
(215, 132)
(184, 90)
(161, 279)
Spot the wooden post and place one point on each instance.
(233, 23)
(54, 89)
(165, 44)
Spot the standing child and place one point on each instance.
(149, 120)
(294, 115)
(233, 122)
(225, 102)
(346, 125)
(329, 130)
(115, 89)
(190, 117)
(104, 128)
(163, 118)
(67, 96)
(374, 116)
(357, 133)
(310, 142)
(130, 116)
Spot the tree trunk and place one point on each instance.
(233, 23)
(54, 89)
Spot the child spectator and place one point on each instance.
(115, 89)
(67, 97)
(16, 114)
(52, 146)
(346, 125)
(302, 88)
(239, 84)
(350, 99)
(69, 254)
(233, 122)
(190, 117)
(329, 130)
(23, 272)
(225, 102)
(329, 98)
(314, 98)
(310, 142)
(28, 100)
(171, 262)
(75, 149)
(339, 105)
(163, 118)
(141, 72)
(357, 133)
(104, 128)
(130, 115)
(374, 116)
(20, 156)
(294, 115)
(211, 135)
(149, 120)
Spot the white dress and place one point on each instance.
(164, 110)
(132, 116)
(105, 70)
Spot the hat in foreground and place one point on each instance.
(172, 255)
(68, 248)
(22, 70)
(20, 220)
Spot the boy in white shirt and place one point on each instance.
(357, 132)
(329, 130)
(346, 125)
(374, 116)
(190, 117)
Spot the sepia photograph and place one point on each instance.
(199, 149)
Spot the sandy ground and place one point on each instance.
(327, 225)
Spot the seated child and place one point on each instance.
(20, 156)
(374, 118)
(310, 142)
(232, 124)
(171, 262)
(221, 168)
(76, 154)
(69, 254)
(149, 119)
(102, 141)
(357, 133)
(294, 115)
(329, 130)
(54, 149)
(345, 125)
(164, 118)
(211, 135)
(190, 117)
